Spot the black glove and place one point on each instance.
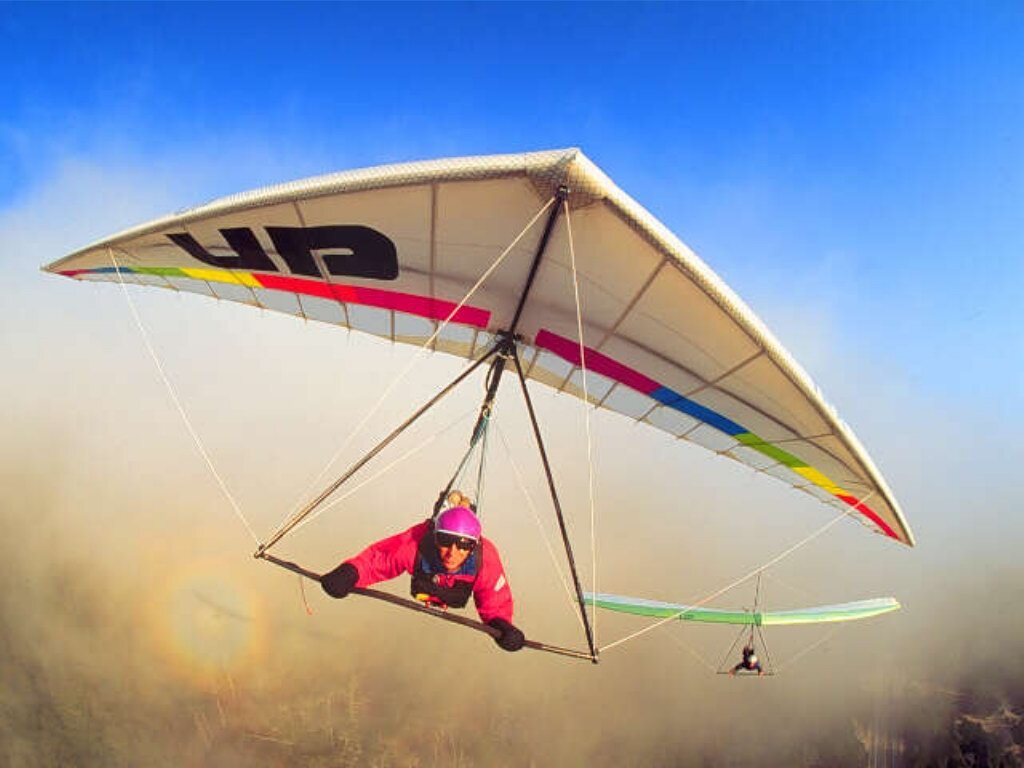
(510, 639)
(339, 582)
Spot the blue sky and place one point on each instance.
(873, 151)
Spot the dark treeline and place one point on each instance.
(984, 727)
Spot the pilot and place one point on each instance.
(750, 662)
(449, 561)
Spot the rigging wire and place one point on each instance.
(676, 639)
(369, 456)
(586, 419)
(769, 665)
(383, 470)
(177, 401)
(757, 604)
(460, 470)
(807, 539)
(291, 521)
(802, 593)
(478, 447)
(482, 465)
(580, 600)
(540, 526)
(828, 636)
(726, 663)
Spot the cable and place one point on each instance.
(382, 471)
(177, 402)
(692, 652)
(586, 420)
(831, 633)
(715, 594)
(540, 526)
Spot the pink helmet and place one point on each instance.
(459, 521)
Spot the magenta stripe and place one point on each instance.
(569, 350)
(410, 303)
(423, 306)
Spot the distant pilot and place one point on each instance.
(449, 561)
(750, 662)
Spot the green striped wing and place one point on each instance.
(860, 609)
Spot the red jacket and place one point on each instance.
(396, 555)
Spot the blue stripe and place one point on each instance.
(682, 404)
(111, 270)
(665, 395)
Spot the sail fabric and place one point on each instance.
(861, 609)
(395, 250)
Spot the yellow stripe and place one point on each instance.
(223, 276)
(820, 480)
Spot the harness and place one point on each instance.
(433, 585)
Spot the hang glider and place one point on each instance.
(860, 609)
(407, 251)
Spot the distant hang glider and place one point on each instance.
(861, 609)
(395, 250)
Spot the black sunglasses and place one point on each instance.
(454, 540)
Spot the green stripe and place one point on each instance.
(825, 613)
(751, 440)
(163, 271)
(833, 613)
(682, 612)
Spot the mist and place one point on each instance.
(165, 648)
